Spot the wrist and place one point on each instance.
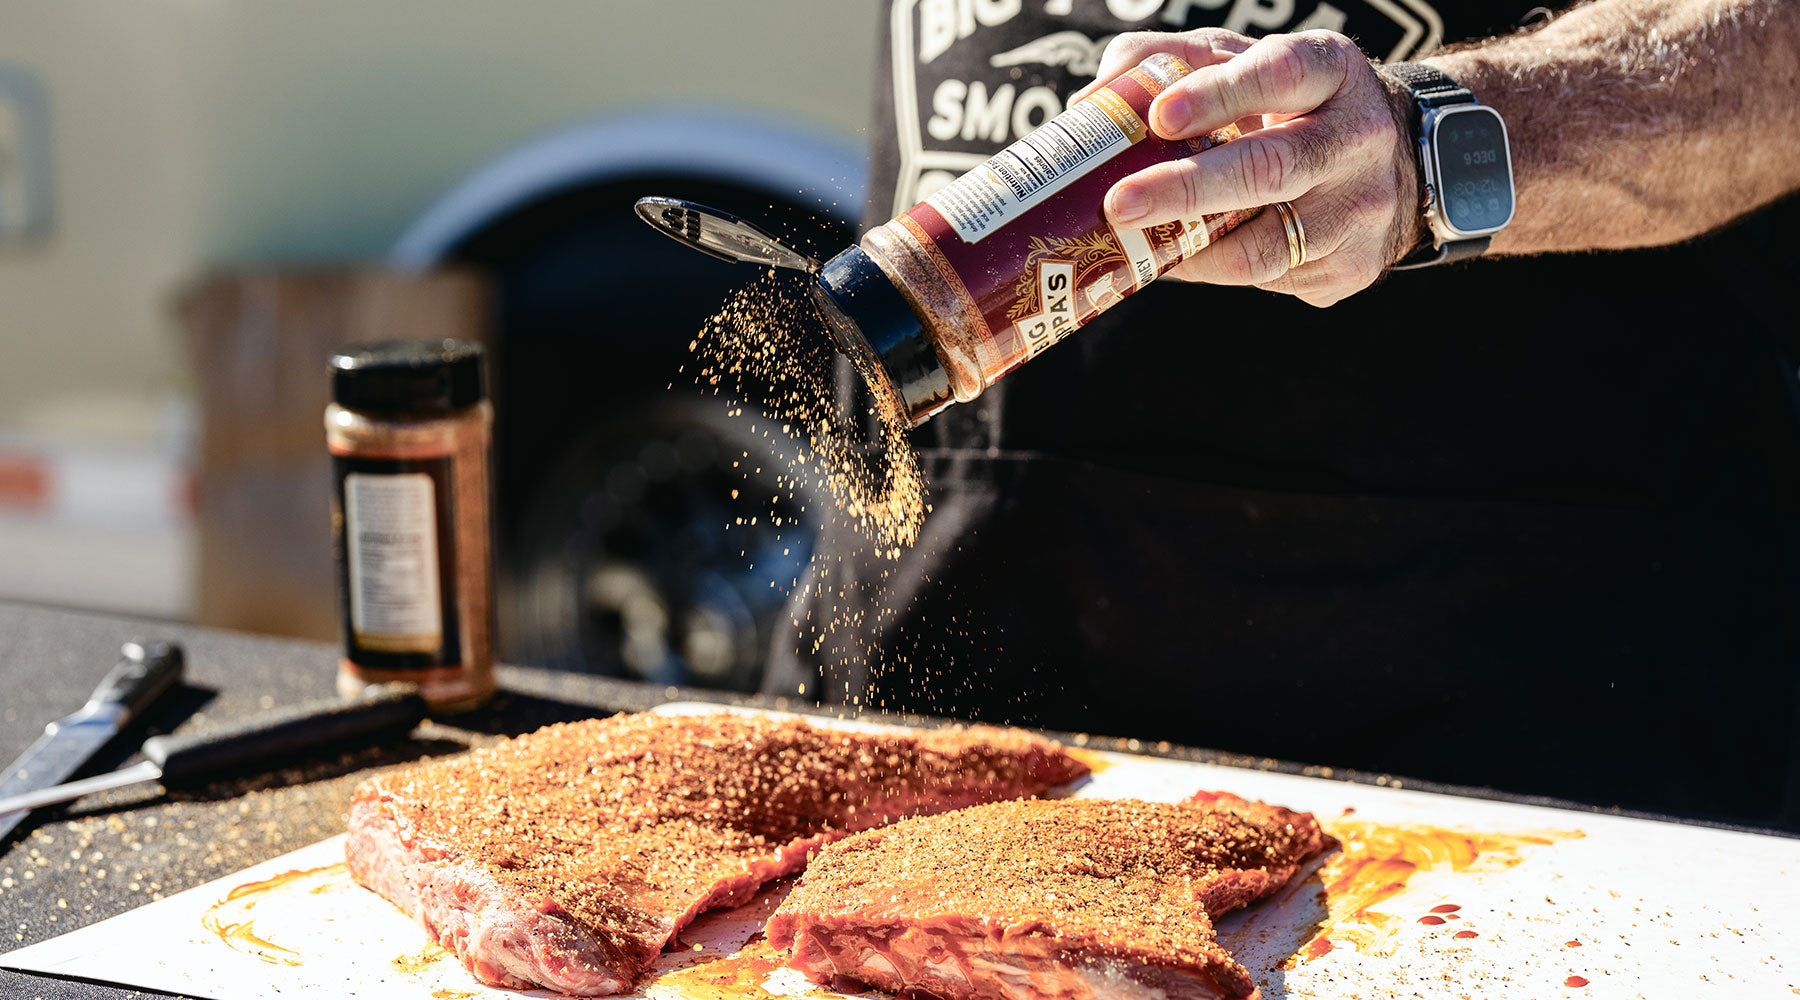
(1408, 232)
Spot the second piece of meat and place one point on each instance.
(1085, 899)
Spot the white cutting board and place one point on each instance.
(1634, 908)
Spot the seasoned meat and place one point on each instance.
(1084, 899)
(569, 857)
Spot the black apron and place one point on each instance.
(1521, 523)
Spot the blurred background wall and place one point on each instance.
(192, 134)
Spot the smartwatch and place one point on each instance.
(1465, 167)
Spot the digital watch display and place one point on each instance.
(1473, 169)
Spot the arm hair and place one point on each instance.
(1642, 122)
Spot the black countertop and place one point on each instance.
(110, 852)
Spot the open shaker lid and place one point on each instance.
(720, 234)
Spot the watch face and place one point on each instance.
(1474, 172)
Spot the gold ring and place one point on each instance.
(1296, 233)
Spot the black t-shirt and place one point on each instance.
(1525, 522)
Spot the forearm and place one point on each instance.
(1642, 122)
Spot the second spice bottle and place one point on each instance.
(409, 430)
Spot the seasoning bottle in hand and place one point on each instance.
(999, 264)
(409, 430)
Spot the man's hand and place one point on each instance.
(1633, 123)
(1330, 136)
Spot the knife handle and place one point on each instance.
(145, 671)
(283, 734)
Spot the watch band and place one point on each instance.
(1431, 87)
(1445, 253)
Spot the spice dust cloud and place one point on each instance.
(767, 345)
(767, 350)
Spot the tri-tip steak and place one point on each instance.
(1077, 899)
(568, 858)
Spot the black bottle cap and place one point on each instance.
(873, 323)
(408, 378)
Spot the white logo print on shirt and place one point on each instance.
(1073, 49)
(969, 119)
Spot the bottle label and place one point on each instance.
(390, 526)
(1037, 166)
(1028, 265)
(397, 558)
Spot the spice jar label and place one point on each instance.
(1038, 165)
(391, 541)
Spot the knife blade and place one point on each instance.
(189, 759)
(145, 671)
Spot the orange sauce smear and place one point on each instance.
(415, 962)
(1377, 862)
(230, 920)
(737, 977)
(1092, 758)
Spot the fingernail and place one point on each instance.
(1173, 114)
(1128, 205)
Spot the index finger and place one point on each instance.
(1200, 47)
(1279, 75)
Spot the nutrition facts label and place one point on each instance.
(390, 528)
(1037, 166)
